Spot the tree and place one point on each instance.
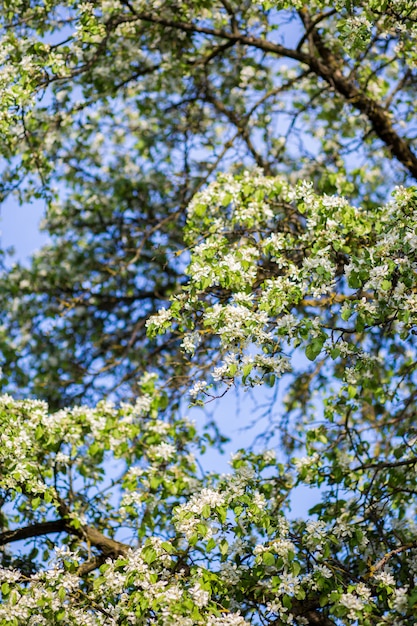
(154, 128)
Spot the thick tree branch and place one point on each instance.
(34, 530)
(90, 566)
(325, 65)
(329, 67)
(107, 546)
(238, 37)
(308, 610)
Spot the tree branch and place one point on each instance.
(326, 66)
(109, 548)
(382, 562)
(35, 530)
(308, 610)
(329, 68)
(242, 129)
(90, 566)
(385, 465)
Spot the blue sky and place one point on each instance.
(19, 228)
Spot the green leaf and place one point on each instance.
(314, 348)
(352, 391)
(268, 558)
(5, 589)
(202, 529)
(168, 547)
(62, 593)
(347, 314)
(211, 544)
(149, 554)
(224, 547)
(35, 502)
